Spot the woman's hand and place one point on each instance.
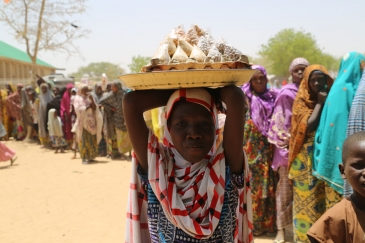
(113, 109)
(322, 96)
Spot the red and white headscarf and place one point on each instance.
(191, 195)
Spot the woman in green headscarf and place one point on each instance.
(331, 132)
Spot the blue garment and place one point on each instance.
(356, 122)
(331, 131)
(162, 230)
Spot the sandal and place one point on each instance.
(278, 241)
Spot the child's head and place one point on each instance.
(191, 123)
(353, 159)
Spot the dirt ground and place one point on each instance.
(51, 198)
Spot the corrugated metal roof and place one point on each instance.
(11, 52)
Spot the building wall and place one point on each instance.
(15, 71)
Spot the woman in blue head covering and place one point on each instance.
(331, 132)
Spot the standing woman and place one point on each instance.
(331, 132)
(45, 97)
(260, 102)
(97, 94)
(65, 114)
(88, 125)
(14, 110)
(356, 122)
(279, 135)
(113, 102)
(309, 193)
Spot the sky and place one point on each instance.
(122, 29)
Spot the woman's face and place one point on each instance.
(73, 92)
(258, 82)
(114, 88)
(108, 88)
(297, 74)
(56, 91)
(19, 89)
(85, 90)
(44, 89)
(99, 90)
(317, 82)
(192, 130)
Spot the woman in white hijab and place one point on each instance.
(88, 125)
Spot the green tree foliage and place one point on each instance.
(289, 44)
(96, 69)
(137, 63)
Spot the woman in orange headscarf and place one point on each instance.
(309, 196)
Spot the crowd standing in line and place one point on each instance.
(190, 179)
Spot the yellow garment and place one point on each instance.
(312, 197)
(157, 128)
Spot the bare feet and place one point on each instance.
(56, 152)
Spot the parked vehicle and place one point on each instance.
(59, 79)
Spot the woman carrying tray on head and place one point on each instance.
(260, 102)
(191, 191)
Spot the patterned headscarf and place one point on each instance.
(203, 181)
(302, 109)
(296, 62)
(262, 105)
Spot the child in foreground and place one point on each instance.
(186, 190)
(345, 222)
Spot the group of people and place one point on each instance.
(293, 147)
(84, 119)
(293, 141)
(303, 152)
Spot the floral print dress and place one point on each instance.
(263, 179)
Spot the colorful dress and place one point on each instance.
(260, 154)
(263, 178)
(331, 132)
(88, 126)
(311, 196)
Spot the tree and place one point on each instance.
(138, 62)
(95, 70)
(44, 25)
(289, 44)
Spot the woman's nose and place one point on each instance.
(193, 132)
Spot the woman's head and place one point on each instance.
(69, 87)
(19, 87)
(296, 69)
(44, 88)
(259, 80)
(115, 86)
(98, 89)
(191, 123)
(84, 90)
(56, 91)
(73, 91)
(317, 81)
(108, 87)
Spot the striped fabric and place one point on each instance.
(191, 195)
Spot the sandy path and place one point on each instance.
(50, 198)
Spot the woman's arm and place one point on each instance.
(134, 104)
(316, 115)
(234, 99)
